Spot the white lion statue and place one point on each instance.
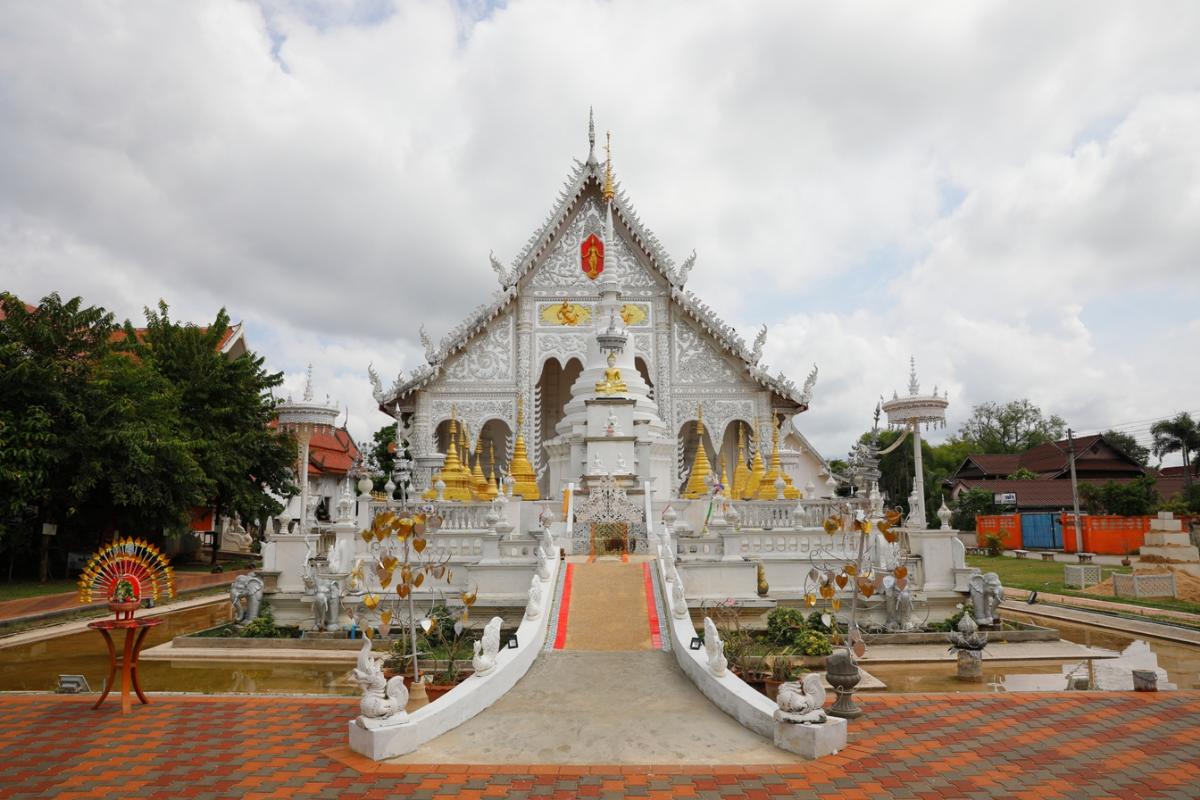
(484, 660)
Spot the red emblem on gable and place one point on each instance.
(591, 256)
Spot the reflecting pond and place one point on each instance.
(36, 666)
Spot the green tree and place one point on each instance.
(1023, 474)
(1178, 435)
(1012, 427)
(1129, 446)
(48, 359)
(969, 504)
(1134, 498)
(381, 458)
(225, 407)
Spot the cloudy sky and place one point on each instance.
(1008, 191)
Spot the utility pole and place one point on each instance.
(1074, 492)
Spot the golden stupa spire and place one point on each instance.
(520, 468)
(478, 482)
(697, 485)
(454, 474)
(492, 473)
(766, 488)
(723, 471)
(757, 471)
(609, 189)
(741, 475)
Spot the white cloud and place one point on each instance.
(336, 174)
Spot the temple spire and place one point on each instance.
(591, 159)
(914, 388)
(609, 188)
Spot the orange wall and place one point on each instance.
(1006, 526)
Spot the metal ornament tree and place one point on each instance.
(399, 561)
(862, 548)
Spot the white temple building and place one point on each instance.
(533, 349)
(597, 405)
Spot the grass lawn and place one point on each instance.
(20, 589)
(1047, 576)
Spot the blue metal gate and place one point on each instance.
(1041, 530)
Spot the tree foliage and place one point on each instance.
(971, 503)
(1129, 446)
(101, 433)
(1179, 435)
(1012, 427)
(1132, 499)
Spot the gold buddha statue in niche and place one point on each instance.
(612, 382)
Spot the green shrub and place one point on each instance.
(262, 626)
(814, 643)
(949, 624)
(784, 624)
(816, 624)
(994, 544)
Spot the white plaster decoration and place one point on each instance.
(718, 415)
(561, 346)
(383, 701)
(471, 412)
(697, 361)
(560, 270)
(533, 609)
(488, 358)
(679, 608)
(714, 649)
(486, 648)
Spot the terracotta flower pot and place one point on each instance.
(771, 688)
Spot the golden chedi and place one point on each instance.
(479, 483)
(521, 470)
(697, 485)
(757, 471)
(741, 474)
(454, 474)
(492, 475)
(766, 487)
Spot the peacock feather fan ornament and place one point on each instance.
(126, 572)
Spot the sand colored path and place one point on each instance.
(607, 607)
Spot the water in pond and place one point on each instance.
(1181, 662)
(37, 666)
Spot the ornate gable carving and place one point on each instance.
(488, 357)
(560, 270)
(697, 361)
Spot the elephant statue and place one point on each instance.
(245, 593)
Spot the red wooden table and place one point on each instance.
(135, 634)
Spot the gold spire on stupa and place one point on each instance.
(521, 470)
(723, 471)
(456, 477)
(697, 485)
(492, 473)
(757, 471)
(741, 474)
(479, 483)
(766, 488)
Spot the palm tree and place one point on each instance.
(1178, 435)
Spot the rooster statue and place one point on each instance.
(801, 703)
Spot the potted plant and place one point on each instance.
(447, 678)
(1125, 560)
(782, 671)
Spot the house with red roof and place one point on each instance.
(1097, 461)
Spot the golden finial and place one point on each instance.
(520, 411)
(697, 485)
(609, 192)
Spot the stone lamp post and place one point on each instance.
(302, 418)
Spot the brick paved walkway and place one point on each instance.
(1035, 746)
